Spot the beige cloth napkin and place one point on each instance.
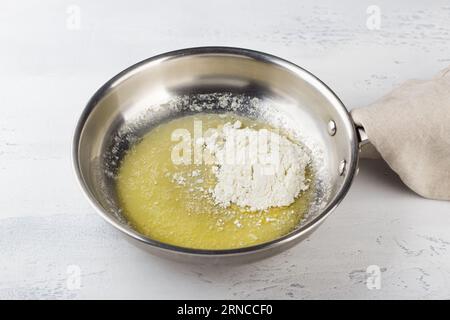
(410, 128)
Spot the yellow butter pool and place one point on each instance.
(183, 214)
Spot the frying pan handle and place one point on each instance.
(362, 136)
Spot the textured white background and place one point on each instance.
(48, 71)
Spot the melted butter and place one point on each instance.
(157, 205)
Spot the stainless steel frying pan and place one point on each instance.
(163, 87)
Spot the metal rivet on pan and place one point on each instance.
(332, 128)
(342, 166)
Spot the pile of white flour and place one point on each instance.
(256, 169)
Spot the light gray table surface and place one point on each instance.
(55, 54)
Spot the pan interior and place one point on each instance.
(257, 87)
